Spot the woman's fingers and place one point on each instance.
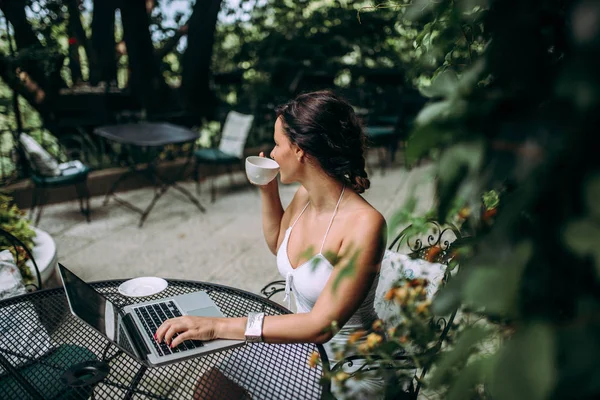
(162, 333)
(261, 154)
(172, 331)
(187, 335)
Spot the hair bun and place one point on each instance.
(361, 184)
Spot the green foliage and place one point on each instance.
(531, 137)
(13, 220)
(518, 375)
(512, 127)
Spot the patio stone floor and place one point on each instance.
(225, 245)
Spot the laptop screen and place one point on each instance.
(93, 308)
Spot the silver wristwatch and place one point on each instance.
(254, 327)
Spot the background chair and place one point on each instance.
(382, 135)
(47, 173)
(231, 147)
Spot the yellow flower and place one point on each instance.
(423, 307)
(363, 347)
(400, 294)
(373, 340)
(355, 336)
(464, 212)
(392, 331)
(341, 376)
(378, 325)
(313, 359)
(389, 296)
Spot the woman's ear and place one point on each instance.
(299, 153)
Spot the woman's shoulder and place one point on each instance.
(366, 228)
(362, 216)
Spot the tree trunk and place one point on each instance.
(199, 99)
(103, 43)
(78, 36)
(35, 96)
(27, 76)
(74, 62)
(146, 81)
(25, 38)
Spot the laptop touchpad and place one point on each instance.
(206, 312)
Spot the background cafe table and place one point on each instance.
(147, 138)
(45, 325)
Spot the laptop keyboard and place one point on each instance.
(153, 315)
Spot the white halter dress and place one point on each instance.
(307, 281)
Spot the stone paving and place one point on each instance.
(225, 245)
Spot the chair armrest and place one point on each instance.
(272, 288)
(401, 360)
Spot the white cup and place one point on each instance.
(261, 170)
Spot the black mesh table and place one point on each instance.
(47, 353)
(146, 138)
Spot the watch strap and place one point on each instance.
(254, 327)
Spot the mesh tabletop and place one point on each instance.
(147, 134)
(48, 340)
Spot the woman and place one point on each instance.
(319, 142)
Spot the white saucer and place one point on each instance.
(144, 286)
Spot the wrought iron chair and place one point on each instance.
(73, 173)
(434, 245)
(231, 147)
(383, 136)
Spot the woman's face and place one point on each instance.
(285, 153)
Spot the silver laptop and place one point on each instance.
(132, 327)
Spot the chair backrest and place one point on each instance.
(41, 162)
(432, 244)
(427, 253)
(235, 133)
(414, 253)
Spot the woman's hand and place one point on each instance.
(174, 331)
(271, 185)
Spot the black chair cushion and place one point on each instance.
(214, 156)
(68, 177)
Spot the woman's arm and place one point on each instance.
(362, 250)
(272, 212)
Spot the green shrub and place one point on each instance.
(13, 220)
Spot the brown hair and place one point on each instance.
(326, 128)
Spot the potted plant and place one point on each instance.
(41, 244)
(13, 220)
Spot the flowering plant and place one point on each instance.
(13, 221)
